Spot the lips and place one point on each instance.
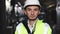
(32, 16)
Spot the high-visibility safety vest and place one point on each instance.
(40, 28)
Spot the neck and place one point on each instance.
(31, 22)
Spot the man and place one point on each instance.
(33, 25)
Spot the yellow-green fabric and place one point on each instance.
(39, 28)
(21, 30)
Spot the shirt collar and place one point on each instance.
(33, 23)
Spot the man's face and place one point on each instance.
(32, 12)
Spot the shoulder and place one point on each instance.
(46, 24)
(47, 28)
(19, 25)
(18, 28)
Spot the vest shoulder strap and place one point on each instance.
(26, 26)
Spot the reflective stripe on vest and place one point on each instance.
(40, 28)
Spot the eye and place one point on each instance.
(28, 9)
(36, 9)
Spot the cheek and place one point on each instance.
(27, 13)
(37, 13)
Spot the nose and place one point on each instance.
(32, 12)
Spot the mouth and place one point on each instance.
(32, 16)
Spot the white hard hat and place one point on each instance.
(32, 2)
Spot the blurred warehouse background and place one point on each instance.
(11, 14)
